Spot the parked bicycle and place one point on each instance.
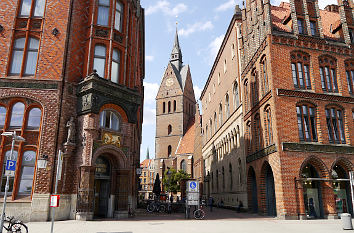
(12, 225)
(156, 206)
(199, 213)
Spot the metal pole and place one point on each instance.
(55, 191)
(351, 178)
(7, 185)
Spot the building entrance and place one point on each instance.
(270, 193)
(341, 191)
(102, 187)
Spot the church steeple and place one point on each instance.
(176, 54)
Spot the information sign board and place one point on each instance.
(54, 200)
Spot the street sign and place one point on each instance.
(54, 200)
(193, 186)
(193, 198)
(11, 165)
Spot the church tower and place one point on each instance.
(175, 105)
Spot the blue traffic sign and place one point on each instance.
(193, 185)
(11, 165)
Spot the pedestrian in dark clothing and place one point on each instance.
(210, 203)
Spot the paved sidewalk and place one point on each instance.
(219, 221)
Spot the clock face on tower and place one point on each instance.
(169, 82)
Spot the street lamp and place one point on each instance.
(14, 139)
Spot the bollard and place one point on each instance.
(346, 221)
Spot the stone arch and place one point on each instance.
(252, 192)
(267, 190)
(117, 158)
(344, 163)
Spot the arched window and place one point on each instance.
(174, 105)
(328, 74)
(29, 59)
(238, 143)
(220, 115)
(184, 165)
(206, 133)
(110, 120)
(265, 75)
(306, 121)
(268, 126)
(246, 97)
(163, 107)
(227, 106)
(349, 70)
(99, 60)
(27, 5)
(225, 66)
(169, 129)
(239, 171)
(255, 86)
(211, 128)
(3, 178)
(27, 172)
(169, 106)
(215, 122)
(17, 115)
(34, 118)
(2, 116)
(236, 96)
(118, 16)
(230, 175)
(115, 66)
(335, 125)
(257, 132)
(103, 12)
(300, 66)
(248, 137)
(169, 151)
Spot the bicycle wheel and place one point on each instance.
(199, 214)
(162, 208)
(150, 208)
(19, 227)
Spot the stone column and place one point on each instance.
(301, 201)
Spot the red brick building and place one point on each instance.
(297, 84)
(71, 75)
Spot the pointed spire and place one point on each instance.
(176, 54)
(147, 153)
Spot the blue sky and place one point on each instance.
(201, 26)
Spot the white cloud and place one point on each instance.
(197, 92)
(150, 90)
(226, 5)
(198, 26)
(322, 3)
(149, 116)
(149, 58)
(214, 47)
(166, 8)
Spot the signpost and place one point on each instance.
(192, 195)
(54, 199)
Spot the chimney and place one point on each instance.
(332, 8)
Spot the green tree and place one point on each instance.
(172, 178)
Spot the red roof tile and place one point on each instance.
(145, 163)
(186, 145)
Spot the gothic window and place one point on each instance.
(34, 119)
(32, 8)
(211, 128)
(248, 137)
(258, 132)
(313, 28)
(268, 126)
(227, 106)
(27, 172)
(24, 61)
(246, 97)
(115, 66)
(300, 63)
(349, 70)
(118, 16)
(109, 120)
(306, 120)
(328, 74)
(335, 125)
(220, 114)
(236, 96)
(2, 116)
(225, 66)
(300, 24)
(264, 76)
(99, 60)
(184, 165)
(17, 114)
(174, 105)
(169, 129)
(169, 106)
(169, 150)
(206, 133)
(163, 107)
(215, 122)
(255, 87)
